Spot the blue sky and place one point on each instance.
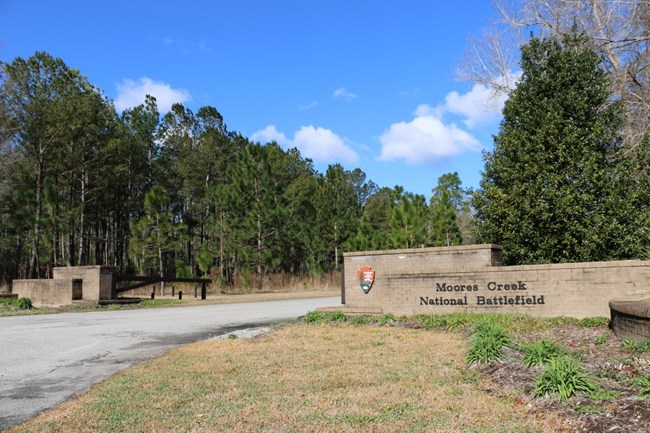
(368, 84)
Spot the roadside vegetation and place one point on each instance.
(335, 373)
(15, 304)
(10, 309)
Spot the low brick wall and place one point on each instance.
(53, 293)
(80, 283)
(471, 279)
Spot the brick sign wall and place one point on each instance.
(81, 283)
(471, 278)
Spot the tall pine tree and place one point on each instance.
(447, 201)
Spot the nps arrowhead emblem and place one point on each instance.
(366, 276)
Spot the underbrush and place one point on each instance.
(15, 304)
(242, 283)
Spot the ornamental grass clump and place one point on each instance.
(637, 347)
(386, 319)
(488, 340)
(564, 377)
(336, 316)
(540, 352)
(644, 383)
(314, 317)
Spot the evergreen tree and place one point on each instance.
(135, 152)
(156, 235)
(408, 220)
(295, 186)
(550, 191)
(254, 215)
(61, 127)
(338, 212)
(447, 201)
(377, 211)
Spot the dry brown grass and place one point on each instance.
(281, 282)
(301, 378)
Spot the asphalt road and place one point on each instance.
(47, 359)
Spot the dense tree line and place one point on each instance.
(179, 193)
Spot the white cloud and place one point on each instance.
(478, 106)
(131, 93)
(481, 105)
(270, 133)
(312, 104)
(322, 144)
(428, 138)
(204, 47)
(344, 93)
(316, 143)
(425, 139)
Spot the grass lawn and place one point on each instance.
(302, 377)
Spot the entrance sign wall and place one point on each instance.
(471, 278)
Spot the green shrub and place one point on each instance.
(602, 394)
(314, 317)
(589, 409)
(633, 346)
(483, 350)
(336, 316)
(386, 319)
(21, 303)
(435, 322)
(459, 320)
(540, 352)
(360, 320)
(489, 329)
(644, 383)
(488, 340)
(601, 339)
(593, 322)
(563, 376)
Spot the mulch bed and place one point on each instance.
(608, 362)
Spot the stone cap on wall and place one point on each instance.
(638, 308)
(493, 247)
(86, 267)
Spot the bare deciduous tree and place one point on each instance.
(619, 30)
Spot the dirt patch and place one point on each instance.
(609, 363)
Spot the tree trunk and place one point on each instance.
(336, 247)
(161, 271)
(34, 263)
(259, 246)
(83, 256)
(222, 247)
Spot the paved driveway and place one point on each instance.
(46, 359)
